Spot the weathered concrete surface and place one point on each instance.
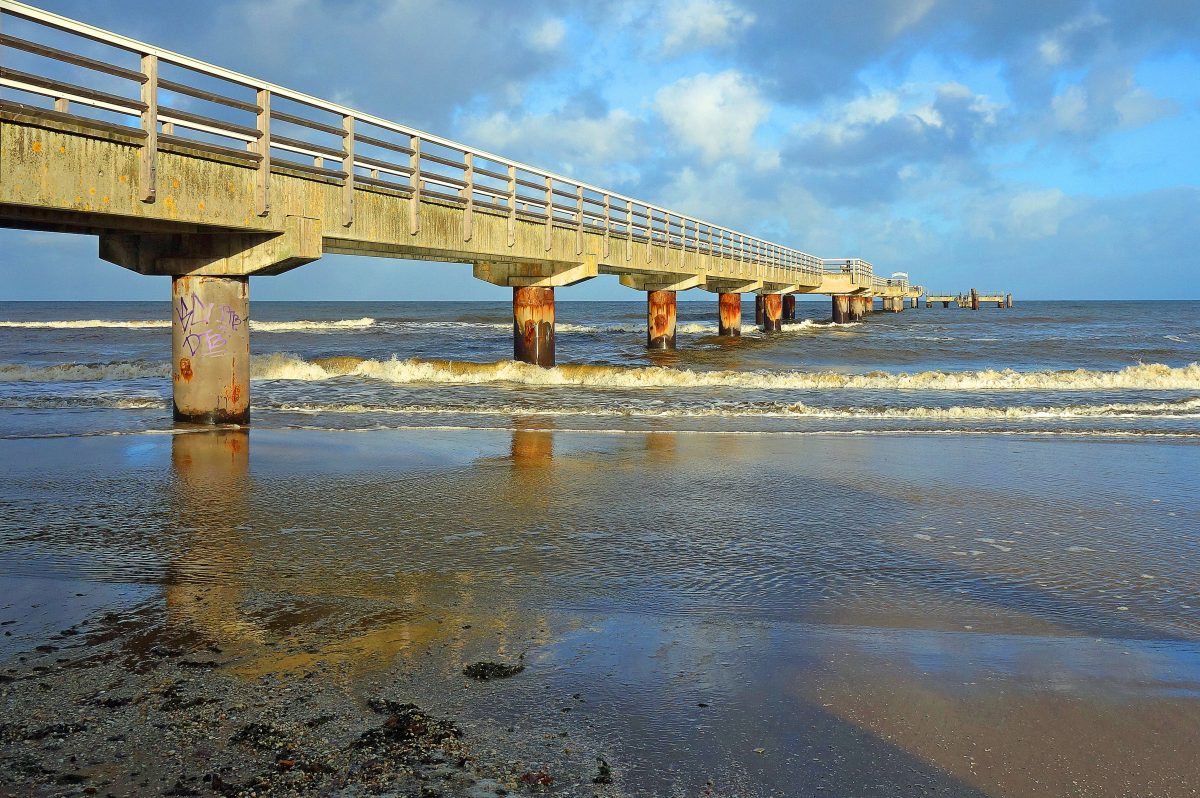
(840, 304)
(729, 310)
(210, 349)
(660, 320)
(772, 306)
(789, 307)
(533, 325)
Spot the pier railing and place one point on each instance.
(65, 69)
(860, 271)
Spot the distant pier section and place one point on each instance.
(971, 300)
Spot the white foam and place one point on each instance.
(1139, 377)
(83, 324)
(147, 324)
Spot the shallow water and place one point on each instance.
(940, 552)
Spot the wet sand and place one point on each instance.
(707, 614)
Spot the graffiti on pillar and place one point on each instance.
(207, 327)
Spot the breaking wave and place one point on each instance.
(312, 326)
(1139, 377)
(280, 366)
(1188, 408)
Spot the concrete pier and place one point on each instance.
(1008, 301)
(913, 303)
(729, 309)
(533, 325)
(789, 307)
(841, 309)
(660, 319)
(758, 310)
(974, 299)
(772, 305)
(210, 349)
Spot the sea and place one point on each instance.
(941, 551)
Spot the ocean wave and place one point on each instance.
(1187, 408)
(312, 326)
(82, 372)
(260, 326)
(80, 402)
(283, 366)
(1139, 377)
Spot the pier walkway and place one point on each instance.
(185, 169)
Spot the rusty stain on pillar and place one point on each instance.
(758, 310)
(974, 299)
(729, 309)
(841, 309)
(789, 307)
(660, 319)
(854, 311)
(533, 325)
(772, 305)
(210, 349)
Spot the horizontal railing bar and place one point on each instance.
(443, 161)
(306, 148)
(299, 120)
(387, 145)
(201, 94)
(207, 124)
(71, 58)
(245, 155)
(375, 181)
(337, 174)
(99, 124)
(375, 163)
(117, 102)
(489, 173)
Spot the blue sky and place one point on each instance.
(1047, 148)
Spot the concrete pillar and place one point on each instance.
(729, 308)
(1008, 301)
(913, 303)
(855, 308)
(974, 299)
(772, 313)
(660, 319)
(945, 304)
(868, 305)
(841, 309)
(897, 304)
(210, 349)
(758, 310)
(789, 307)
(533, 326)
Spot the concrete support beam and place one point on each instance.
(210, 349)
(789, 307)
(772, 307)
(216, 254)
(660, 320)
(533, 325)
(729, 308)
(841, 309)
(661, 282)
(533, 274)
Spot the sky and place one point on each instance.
(1050, 148)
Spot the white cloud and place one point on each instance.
(548, 36)
(716, 115)
(695, 24)
(593, 148)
